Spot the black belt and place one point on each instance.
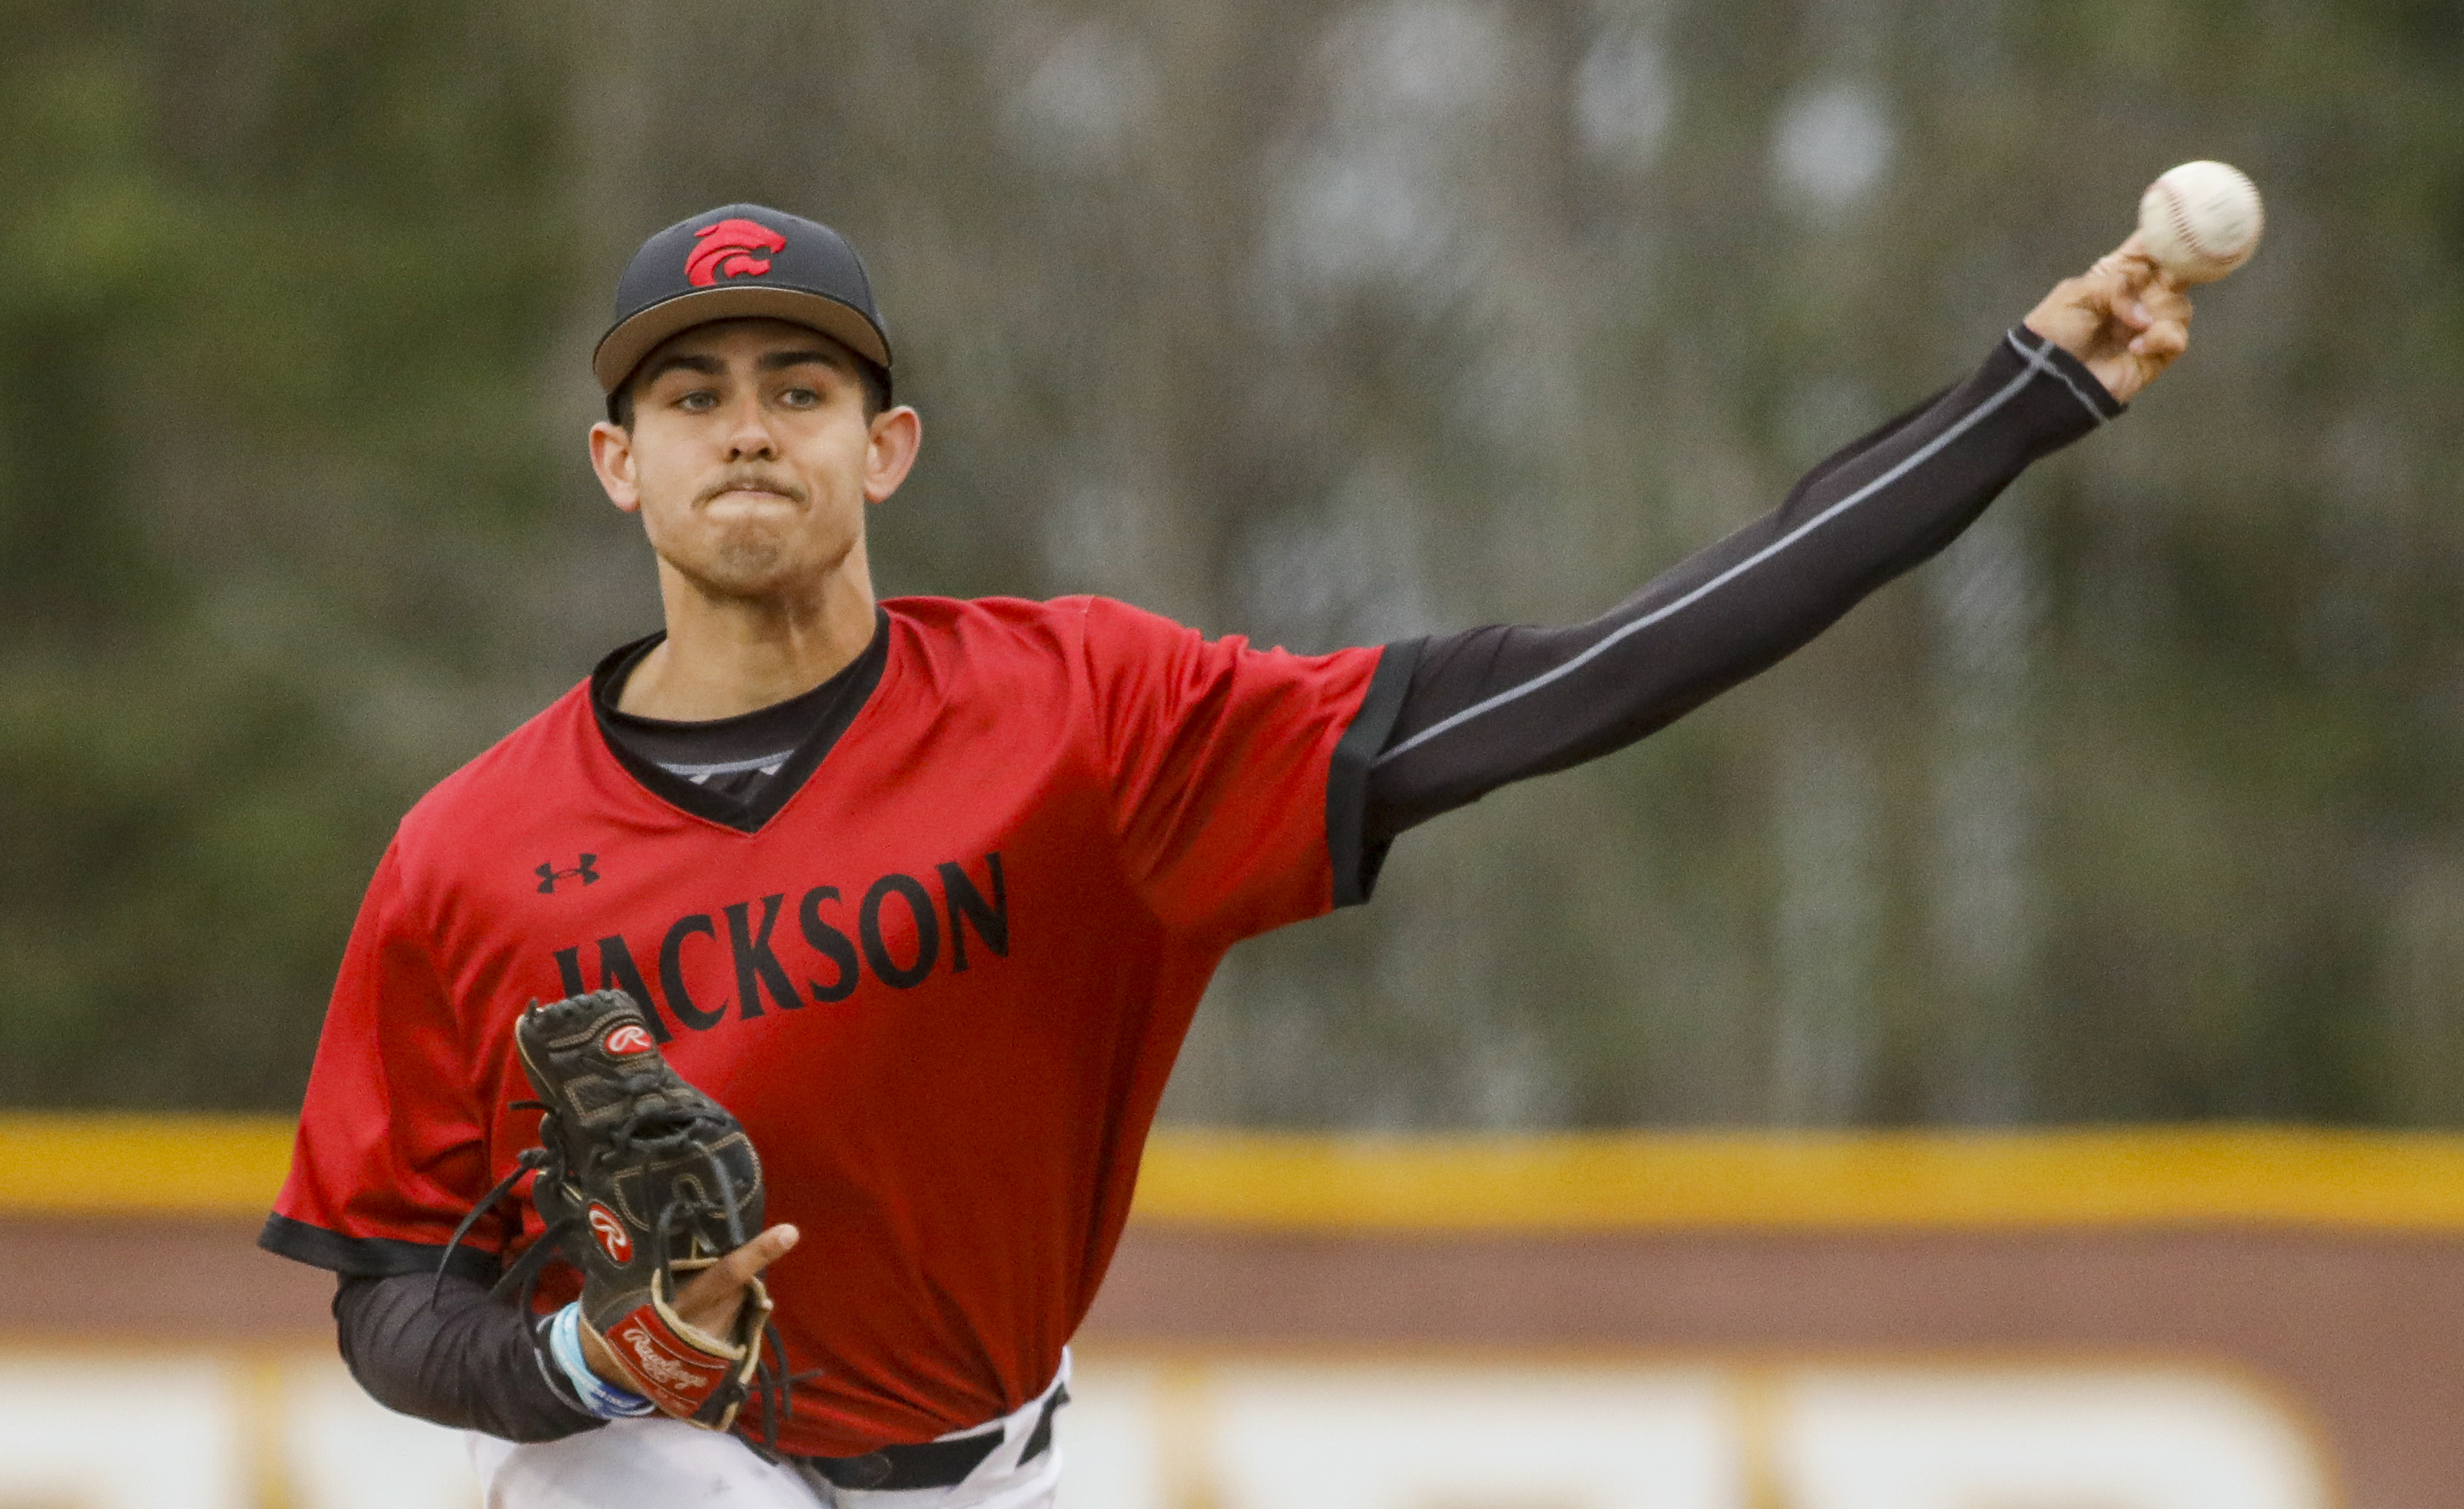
(932, 1464)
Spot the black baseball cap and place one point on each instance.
(741, 262)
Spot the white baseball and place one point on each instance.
(2201, 220)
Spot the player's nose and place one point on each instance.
(749, 436)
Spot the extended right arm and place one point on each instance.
(1507, 702)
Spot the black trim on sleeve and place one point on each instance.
(370, 1256)
(1355, 856)
(836, 702)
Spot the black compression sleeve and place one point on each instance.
(462, 1358)
(1504, 702)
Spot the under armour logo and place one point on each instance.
(549, 875)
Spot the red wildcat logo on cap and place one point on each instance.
(726, 249)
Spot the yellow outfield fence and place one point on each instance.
(101, 1165)
(2238, 1175)
(1827, 1180)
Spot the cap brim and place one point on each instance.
(622, 349)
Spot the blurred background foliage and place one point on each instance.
(1326, 321)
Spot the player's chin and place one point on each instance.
(741, 564)
(755, 564)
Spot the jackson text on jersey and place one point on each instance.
(893, 928)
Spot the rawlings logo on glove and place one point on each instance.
(676, 1380)
(610, 1232)
(642, 1178)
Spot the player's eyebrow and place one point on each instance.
(780, 361)
(707, 365)
(771, 362)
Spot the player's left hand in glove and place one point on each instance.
(651, 1188)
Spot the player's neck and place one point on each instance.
(726, 655)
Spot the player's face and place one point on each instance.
(750, 459)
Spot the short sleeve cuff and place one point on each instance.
(370, 1256)
(1354, 860)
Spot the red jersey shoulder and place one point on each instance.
(953, 646)
(958, 643)
(1013, 662)
(508, 790)
(994, 632)
(1114, 631)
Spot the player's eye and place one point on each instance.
(698, 400)
(800, 397)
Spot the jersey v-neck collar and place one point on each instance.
(845, 695)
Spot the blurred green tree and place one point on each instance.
(281, 276)
(1324, 320)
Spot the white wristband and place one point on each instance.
(602, 1398)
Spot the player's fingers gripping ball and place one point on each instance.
(2200, 221)
(643, 1182)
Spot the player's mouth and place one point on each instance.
(754, 489)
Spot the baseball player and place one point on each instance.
(926, 891)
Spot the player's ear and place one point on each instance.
(890, 451)
(611, 457)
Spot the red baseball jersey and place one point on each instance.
(943, 986)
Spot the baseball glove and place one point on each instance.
(643, 1181)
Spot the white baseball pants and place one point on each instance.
(659, 1463)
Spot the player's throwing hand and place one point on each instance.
(2123, 317)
